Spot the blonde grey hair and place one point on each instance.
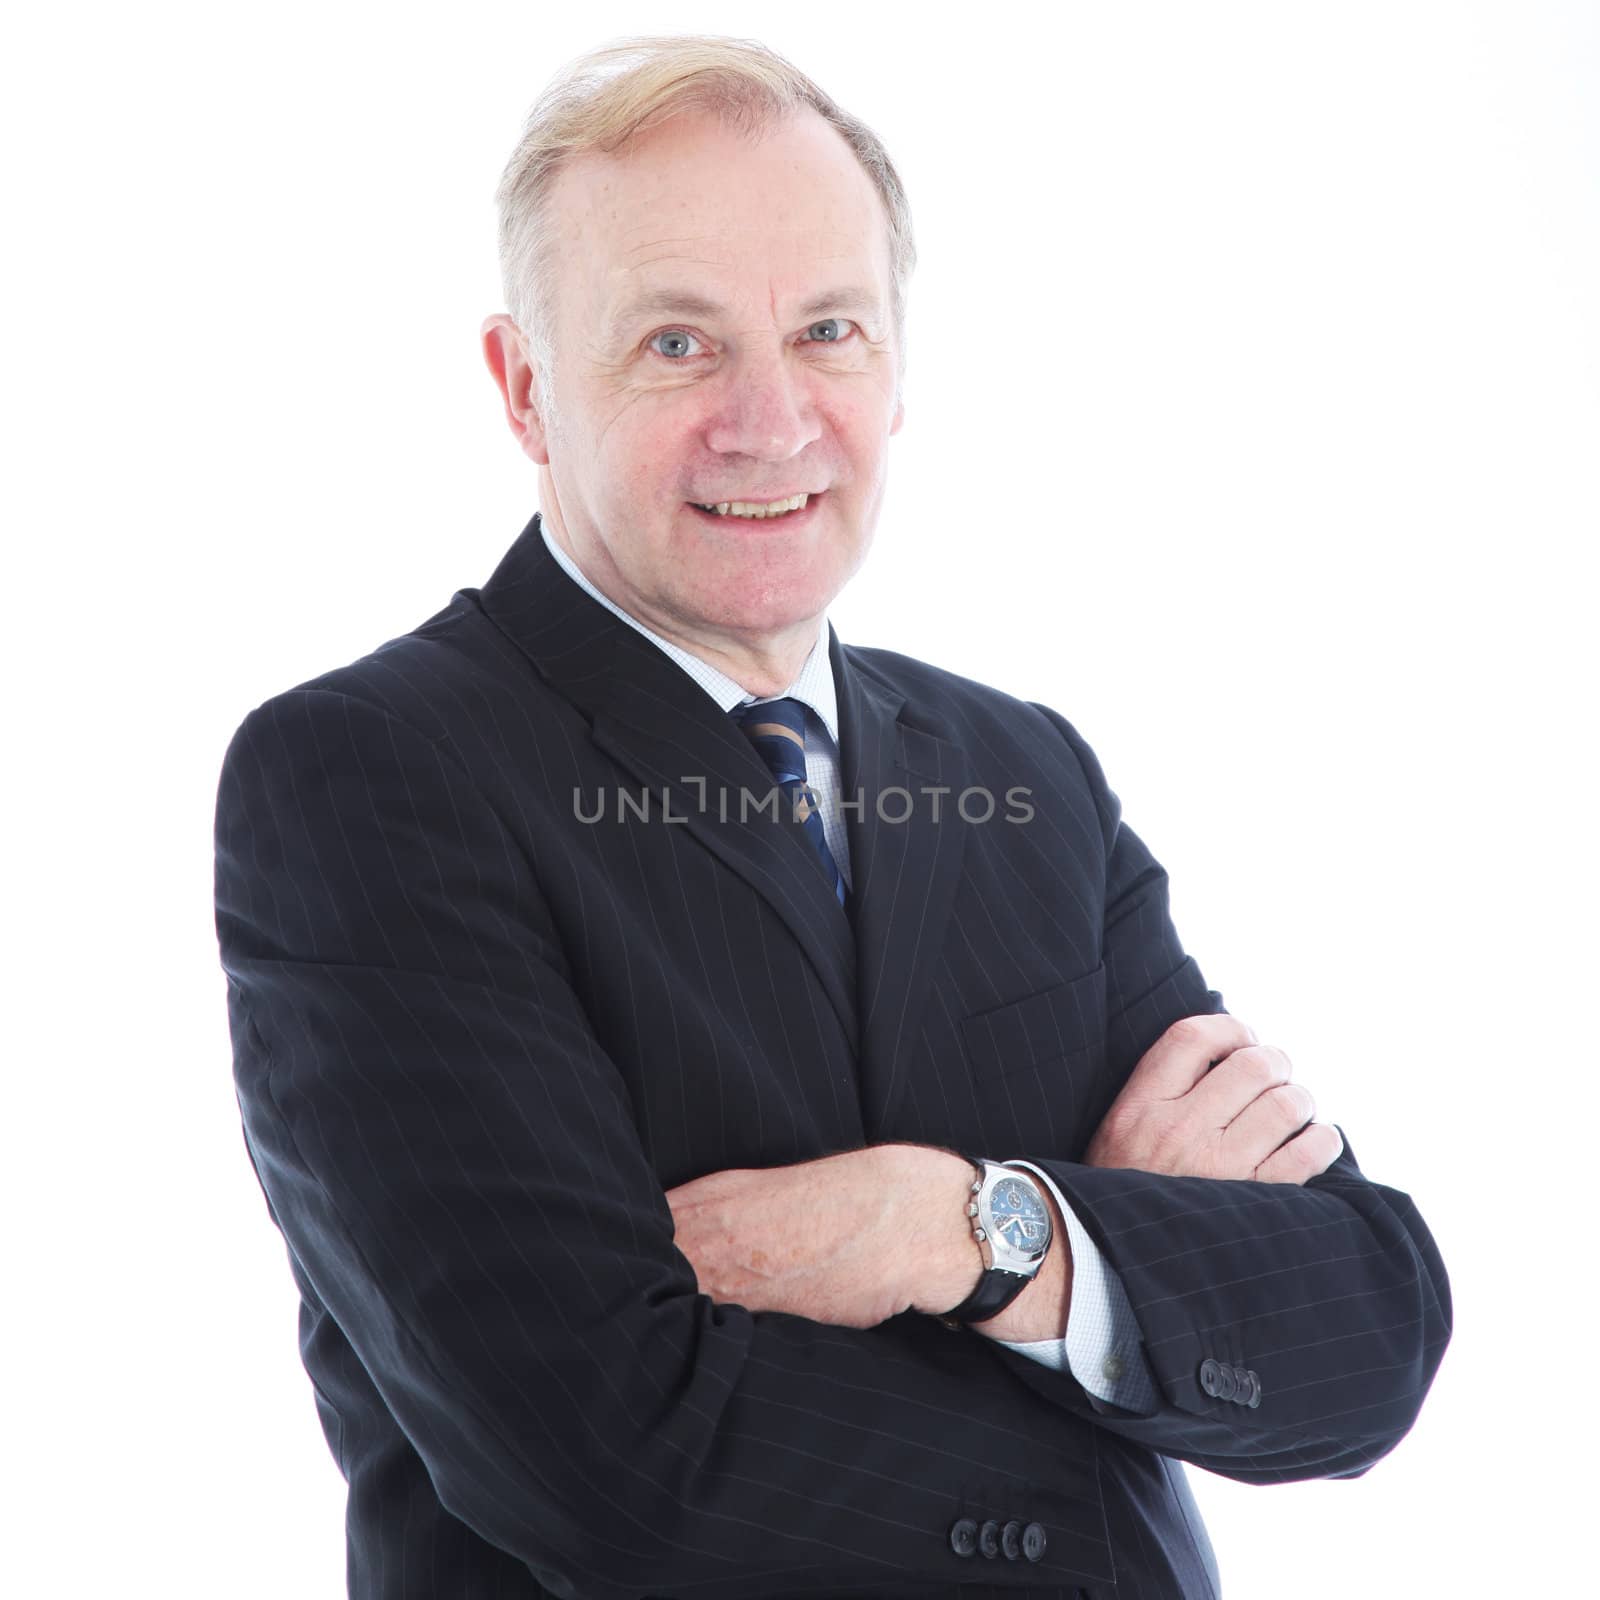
(604, 98)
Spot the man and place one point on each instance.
(856, 1195)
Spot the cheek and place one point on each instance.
(860, 416)
(656, 450)
(635, 478)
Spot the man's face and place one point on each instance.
(723, 334)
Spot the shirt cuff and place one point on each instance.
(1103, 1348)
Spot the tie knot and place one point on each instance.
(777, 728)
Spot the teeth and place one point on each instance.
(750, 508)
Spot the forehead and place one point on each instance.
(694, 216)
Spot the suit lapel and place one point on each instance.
(661, 727)
(904, 872)
(672, 736)
(687, 755)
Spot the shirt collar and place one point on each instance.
(813, 685)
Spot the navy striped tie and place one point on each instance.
(777, 728)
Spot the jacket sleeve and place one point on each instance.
(454, 1164)
(1292, 1330)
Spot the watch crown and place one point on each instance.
(979, 1235)
(972, 1208)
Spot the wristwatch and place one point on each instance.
(1011, 1222)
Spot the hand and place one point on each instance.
(1207, 1100)
(818, 1239)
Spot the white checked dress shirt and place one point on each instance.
(1102, 1348)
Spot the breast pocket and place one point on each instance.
(1064, 1021)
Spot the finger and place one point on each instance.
(1266, 1123)
(1183, 1055)
(1238, 1080)
(1304, 1156)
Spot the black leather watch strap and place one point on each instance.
(995, 1289)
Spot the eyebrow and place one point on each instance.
(667, 302)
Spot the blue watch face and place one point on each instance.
(1019, 1215)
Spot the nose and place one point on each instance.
(765, 411)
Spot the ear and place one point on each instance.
(506, 354)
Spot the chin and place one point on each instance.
(764, 621)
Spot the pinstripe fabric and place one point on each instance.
(1101, 1347)
(479, 1029)
(813, 685)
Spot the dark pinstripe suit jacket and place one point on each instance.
(476, 1037)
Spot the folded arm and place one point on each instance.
(1291, 1332)
(453, 1161)
(1330, 1290)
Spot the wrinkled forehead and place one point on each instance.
(693, 213)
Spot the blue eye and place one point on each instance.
(673, 333)
(841, 330)
(835, 323)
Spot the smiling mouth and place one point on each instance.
(758, 510)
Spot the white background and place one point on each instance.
(1253, 422)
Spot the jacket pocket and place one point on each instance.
(1067, 1019)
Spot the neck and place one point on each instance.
(763, 667)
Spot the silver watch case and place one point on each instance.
(1008, 1232)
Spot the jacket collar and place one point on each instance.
(645, 712)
